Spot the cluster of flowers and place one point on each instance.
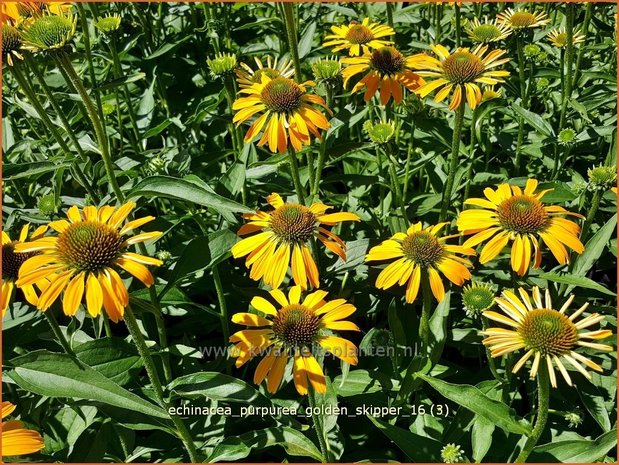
(81, 257)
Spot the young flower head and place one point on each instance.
(50, 32)
(17, 13)
(522, 20)
(547, 335)
(286, 112)
(490, 94)
(11, 44)
(531, 51)
(558, 37)
(83, 257)
(285, 233)
(462, 71)
(223, 64)
(567, 136)
(294, 328)
(509, 214)
(380, 133)
(386, 70)
(108, 24)
(328, 71)
(486, 32)
(11, 264)
(421, 252)
(477, 298)
(602, 177)
(47, 205)
(16, 440)
(452, 453)
(247, 77)
(359, 38)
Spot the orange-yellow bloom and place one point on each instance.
(510, 214)
(11, 264)
(16, 440)
(359, 38)
(82, 260)
(294, 328)
(421, 254)
(283, 238)
(462, 71)
(386, 70)
(286, 112)
(547, 335)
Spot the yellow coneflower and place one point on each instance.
(508, 213)
(490, 94)
(558, 37)
(518, 20)
(547, 335)
(283, 238)
(82, 258)
(17, 12)
(11, 264)
(386, 70)
(246, 76)
(421, 254)
(17, 440)
(292, 328)
(488, 31)
(49, 32)
(285, 107)
(11, 44)
(462, 71)
(358, 38)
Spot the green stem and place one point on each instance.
(223, 310)
(87, 48)
(458, 25)
(58, 332)
(523, 97)
(318, 425)
(322, 152)
(453, 159)
(595, 204)
(395, 183)
(51, 127)
(151, 371)
(389, 8)
(63, 61)
(424, 322)
(294, 171)
(291, 32)
(585, 31)
(543, 398)
(407, 166)
(569, 61)
(491, 364)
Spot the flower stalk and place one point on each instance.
(453, 159)
(543, 399)
(151, 371)
(318, 425)
(294, 172)
(291, 32)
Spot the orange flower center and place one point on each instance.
(12, 261)
(422, 248)
(548, 332)
(293, 223)
(296, 326)
(463, 66)
(89, 246)
(359, 34)
(522, 19)
(282, 95)
(387, 61)
(522, 214)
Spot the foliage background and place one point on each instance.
(179, 164)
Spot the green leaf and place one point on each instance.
(114, 358)
(60, 375)
(418, 448)
(575, 451)
(438, 328)
(12, 171)
(594, 249)
(305, 44)
(473, 399)
(217, 386)
(593, 400)
(539, 124)
(362, 382)
(578, 281)
(236, 448)
(185, 191)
